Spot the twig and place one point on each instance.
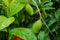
(37, 8)
(41, 18)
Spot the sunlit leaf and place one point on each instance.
(2, 18)
(5, 22)
(6, 2)
(15, 7)
(23, 33)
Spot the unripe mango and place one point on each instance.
(29, 9)
(37, 26)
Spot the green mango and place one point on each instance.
(37, 26)
(29, 9)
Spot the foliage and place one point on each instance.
(29, 19)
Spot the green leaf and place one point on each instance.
(15, 7)
(1, 3)
(57, 14)
(51, 22)
(23, 33)
(44, 1)
(37, 26)
(55, 29)
(48, 6)
(6, 22)
(5, 29)
(6, 2)
(43, 36)
(2, 18)
(29, 9)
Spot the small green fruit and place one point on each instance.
(29, 9)
(37, 26)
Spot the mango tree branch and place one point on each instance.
(41, 18)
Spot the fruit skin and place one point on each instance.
(29, 9)
(17, 38)
(37, 26)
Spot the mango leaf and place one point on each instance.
(51, 22)
(23, 33)
(15, 7)
(37, 26)
(29, 9)
(1, 2)
(43, 36)
(48, 6)
(6, 2)
(15, 10)
(5, 22)
(44, 1)
(57, 14)
(5, 29)
(55, 29)
(2, 18)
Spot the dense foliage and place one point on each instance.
(29, 19)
